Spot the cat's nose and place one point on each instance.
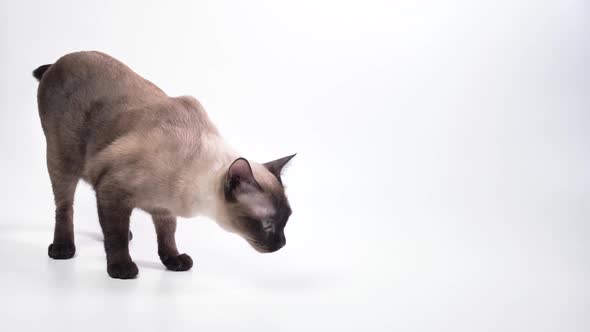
(279, 241)
(281, 244)
(275, 240)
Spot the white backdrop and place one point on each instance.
(442, 181)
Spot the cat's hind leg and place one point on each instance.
(64, 187)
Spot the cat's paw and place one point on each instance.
(130, 236)
(122, 270)
(182, 262)
(61, 250)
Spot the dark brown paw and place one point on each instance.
(61, 250)
(182, 262)
(130, 236)
(122, 270)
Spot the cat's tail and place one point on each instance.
(38, 73)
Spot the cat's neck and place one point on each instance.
(204, 183)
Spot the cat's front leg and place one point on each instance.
(165, 229)
(114, 212)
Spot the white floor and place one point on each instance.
(526, 269)
(442, 181)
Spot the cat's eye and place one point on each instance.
(266, 224)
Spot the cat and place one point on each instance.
(139, 148)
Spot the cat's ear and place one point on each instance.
(276, 166)
(240, 179)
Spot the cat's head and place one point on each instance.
(255, 205)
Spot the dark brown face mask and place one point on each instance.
(265, 234)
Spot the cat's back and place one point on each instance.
(84, 77)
